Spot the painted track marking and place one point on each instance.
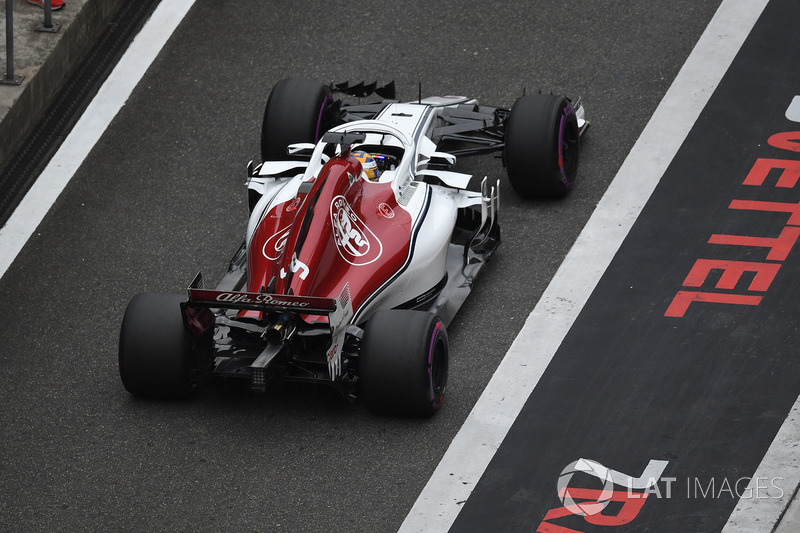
(517, 375)
(87, 131)
(464, 463)
(782, 460)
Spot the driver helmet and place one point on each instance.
(369, 168)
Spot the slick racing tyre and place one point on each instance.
(542, 146)
(403, 363)
(155, 350)
(297, 111)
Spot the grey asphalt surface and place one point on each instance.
(162, 196)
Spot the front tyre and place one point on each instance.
(297, 111)
(542, 146)
(403, 363)
(156, 355)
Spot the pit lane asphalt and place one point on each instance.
(162, 196)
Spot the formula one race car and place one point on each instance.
(362, 244)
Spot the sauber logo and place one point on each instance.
(355, 241)
(274, 246)
(295, 203)
(384, 210)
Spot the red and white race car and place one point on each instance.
(361, 246)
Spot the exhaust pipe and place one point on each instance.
(280, 331)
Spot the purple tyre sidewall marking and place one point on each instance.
(561, 167)
(436, 401)
(319, 117)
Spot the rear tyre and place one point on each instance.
(155, 350)
(542, 146)
(403, 363)
(297, 111)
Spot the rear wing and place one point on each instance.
(199, 319)
(257, 301)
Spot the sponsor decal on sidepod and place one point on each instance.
(357, 244)
(274, 245)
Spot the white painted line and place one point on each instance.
(793, 111)
(773, 485)
(487, 425)
(87, 131)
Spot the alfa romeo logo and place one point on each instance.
(357, 244)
